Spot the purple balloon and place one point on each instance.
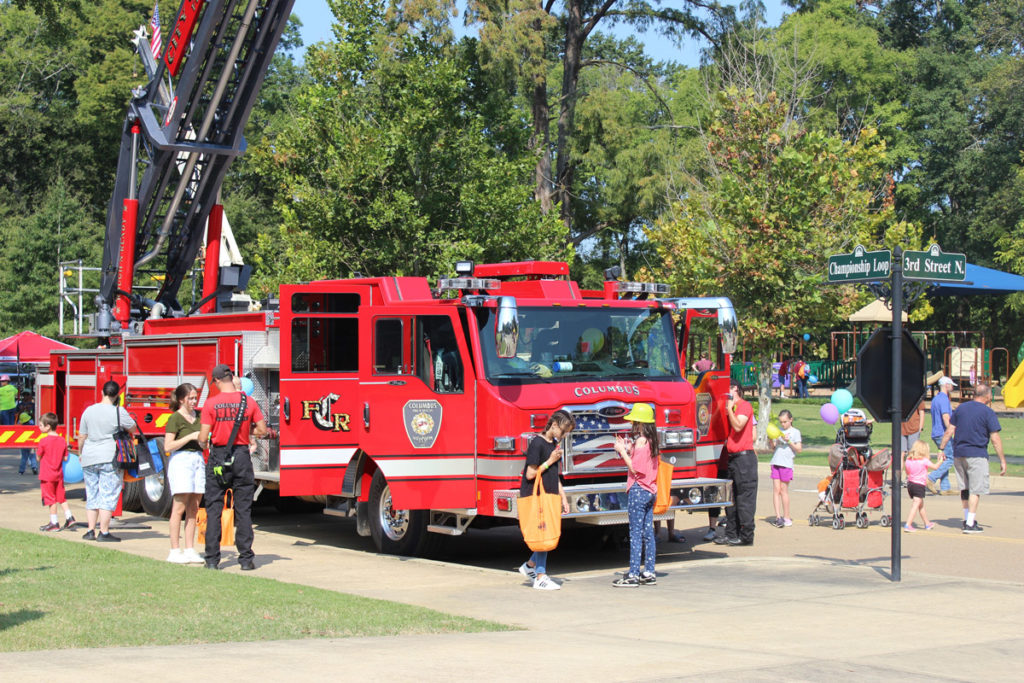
(829, 413)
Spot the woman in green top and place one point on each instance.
(186, 471)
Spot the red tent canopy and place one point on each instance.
(29, 347)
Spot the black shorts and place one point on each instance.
(915, 490)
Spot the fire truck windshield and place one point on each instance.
(573, 344)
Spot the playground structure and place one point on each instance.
(962, 355)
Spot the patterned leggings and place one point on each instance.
(641, 529)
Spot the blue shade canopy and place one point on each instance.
(980, 280)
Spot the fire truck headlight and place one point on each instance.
(677, 437)
(582, 504)
(504, 443)
(712, 494)
(694, 495)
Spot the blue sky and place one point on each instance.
(317, 18)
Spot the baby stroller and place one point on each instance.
(857, 479)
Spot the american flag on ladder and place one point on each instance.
(593, 441)
(156, 43)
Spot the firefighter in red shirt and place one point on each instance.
(742, 470)
(229, 465)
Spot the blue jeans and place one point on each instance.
(7, 417)
(540, 562)
(641, 529)
(801, 387)
(942, 473)
(28, 457)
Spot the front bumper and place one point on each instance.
(605, 504)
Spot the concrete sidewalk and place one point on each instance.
(802, 604)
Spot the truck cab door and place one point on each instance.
(418, 407)
(320, 425)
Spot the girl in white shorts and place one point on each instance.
(186, 472)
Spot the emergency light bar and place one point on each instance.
(642, 287)
(468, 283)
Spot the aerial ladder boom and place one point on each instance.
(176, 147)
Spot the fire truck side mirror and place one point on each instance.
(506, 328)
(727, 325)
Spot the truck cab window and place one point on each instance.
(438, 362)
(388, 358)
(325, 344)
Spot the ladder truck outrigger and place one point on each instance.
(407, 405)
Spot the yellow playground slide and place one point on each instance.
(1013, 392)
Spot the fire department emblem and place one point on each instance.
(703, 414)
(320, 412)
(422, 422)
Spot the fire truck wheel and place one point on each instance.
(395, 532)
(131, 496)
(155, 493)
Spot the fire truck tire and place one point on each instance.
(131, 496)
(154, 492)
(396, 532)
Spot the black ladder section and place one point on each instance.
(177, 165)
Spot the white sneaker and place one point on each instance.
(192, 557)
(528, 571)
(787, 522)
(544, 583)
(177, 556)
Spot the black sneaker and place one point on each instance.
(973, 529)
(648, 579)
(212, 565)
(107, 538)
(70, 522)
(51, 526)
(627, 581)
(726, 540)
(89, 535)
(247, 565)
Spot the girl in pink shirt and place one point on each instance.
(641, 456)
(916, 465)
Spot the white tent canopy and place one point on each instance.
(874, 312)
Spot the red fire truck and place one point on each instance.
(407, 404)
(414, 406)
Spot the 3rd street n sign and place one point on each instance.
(934, 265)
(860, 266)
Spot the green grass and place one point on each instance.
(818, 435)
(55, 594)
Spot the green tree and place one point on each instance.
(777, 200)
(386, 168)
(546, 44)
(62, 229)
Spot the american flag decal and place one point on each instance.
(593, 442)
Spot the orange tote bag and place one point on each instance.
(663, 497)
(540, 518)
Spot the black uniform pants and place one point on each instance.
(743, 472)
(243, 485)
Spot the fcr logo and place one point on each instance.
(320, 412)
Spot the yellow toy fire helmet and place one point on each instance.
(641, 412)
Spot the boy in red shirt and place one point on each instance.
(53, 452)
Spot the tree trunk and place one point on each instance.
(764, 402)
(540, 143)
(574, 37)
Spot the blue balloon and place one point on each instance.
(807, 337)
(813, 379)
(73, 470)
(842, 400)
(248, 386)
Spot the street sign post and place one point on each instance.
(934, 265)
(860, 266)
